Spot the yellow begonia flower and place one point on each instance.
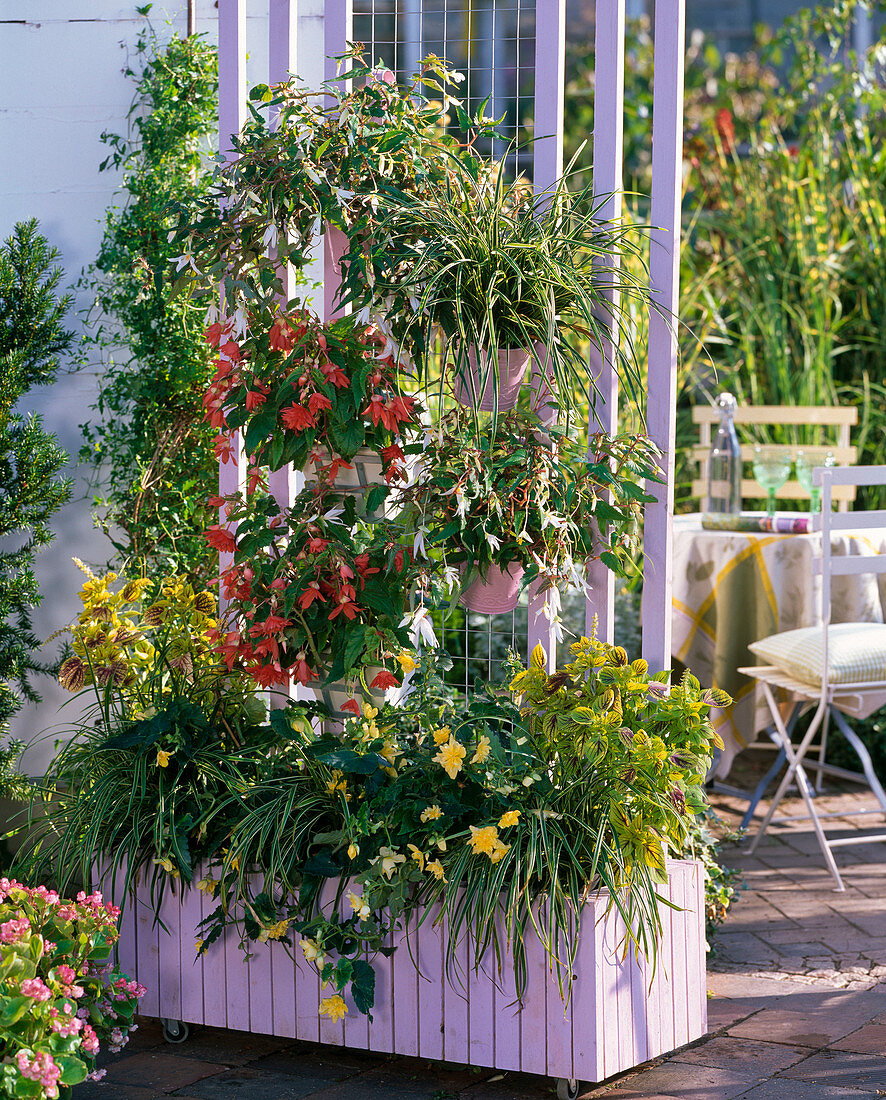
(353, 851)
(168, 866)
(389, 860)
(273, 931)
(485, 840)
(431, 813)
(390, 752)
(407, 662)
(198, 946)
(163, 758)
(369, 711)
(436, 869)
(312, 952)
(442, 734)
(337, 782)
(207, 886)
(334, 1007)
(484, 747)
(450, 757)
(508, 819)
(417, 855)
(482, 839)
(359, 904)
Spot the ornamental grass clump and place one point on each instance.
(61, 999)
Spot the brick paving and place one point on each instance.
(797, 1009)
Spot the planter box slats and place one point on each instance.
(620, 1014)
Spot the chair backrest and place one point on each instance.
(829, 522)
(839, 419)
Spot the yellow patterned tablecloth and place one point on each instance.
(732, 588)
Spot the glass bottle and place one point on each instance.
(724, 463)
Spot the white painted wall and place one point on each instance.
(61, 86)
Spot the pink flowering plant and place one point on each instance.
(60, 998)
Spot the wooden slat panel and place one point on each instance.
(405, 980)
(307, 998)
(192, 981)
(791, 490)
(559, 1025)
(858, 521)
(843, 456)
(507, 1008)
(237, 981)
(381, 1030)
(169, 942)
(148, 955)
(533, 1018)
(481, 1004)
(456, 1018)
(431, 1007)
(587, 1025)
(356, 1025)
(779, 414)
(695, 953)
(261, 990)
(283, 979)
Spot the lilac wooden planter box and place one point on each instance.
(619, 1016)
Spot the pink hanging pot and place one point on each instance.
(512, 366)
(497, 594)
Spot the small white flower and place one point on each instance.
(185, 260)
(270, 236)
(494, 543)
(418, 543)
(421, 628)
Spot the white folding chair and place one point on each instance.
(839, 669)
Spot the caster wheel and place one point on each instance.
(175, 1031)
(567, 1089)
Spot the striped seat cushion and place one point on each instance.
(856, 652)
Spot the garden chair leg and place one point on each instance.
(863, 755)
(794, 757)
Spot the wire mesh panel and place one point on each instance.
(491, 42)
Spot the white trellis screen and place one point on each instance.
(518, 49)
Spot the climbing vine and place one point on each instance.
(148, 444)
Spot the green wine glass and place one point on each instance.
(805, 464)
(772, 467)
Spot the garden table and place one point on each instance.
(732, 588)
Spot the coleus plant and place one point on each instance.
(315, 594)
(302, 391)
(529, 495)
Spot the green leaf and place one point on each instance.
(354, 763)
(73, 1069)
(12, 1009)
(363, 985)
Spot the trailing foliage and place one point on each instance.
(151, 452)
(32, 340)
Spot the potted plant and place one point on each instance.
(526, 505)
(318, 596)
(504, 846)
(507, 276)
(62, 1000)
(324, 398)
(321, 161)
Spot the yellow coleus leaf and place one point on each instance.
(539, 658)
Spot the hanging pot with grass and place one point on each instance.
(491, 381)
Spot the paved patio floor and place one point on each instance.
(797, 1010)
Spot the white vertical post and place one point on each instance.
(609, 53)
(337, 32)
(231, 116)
(664, 269)
(547, 167)
(282, 38)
